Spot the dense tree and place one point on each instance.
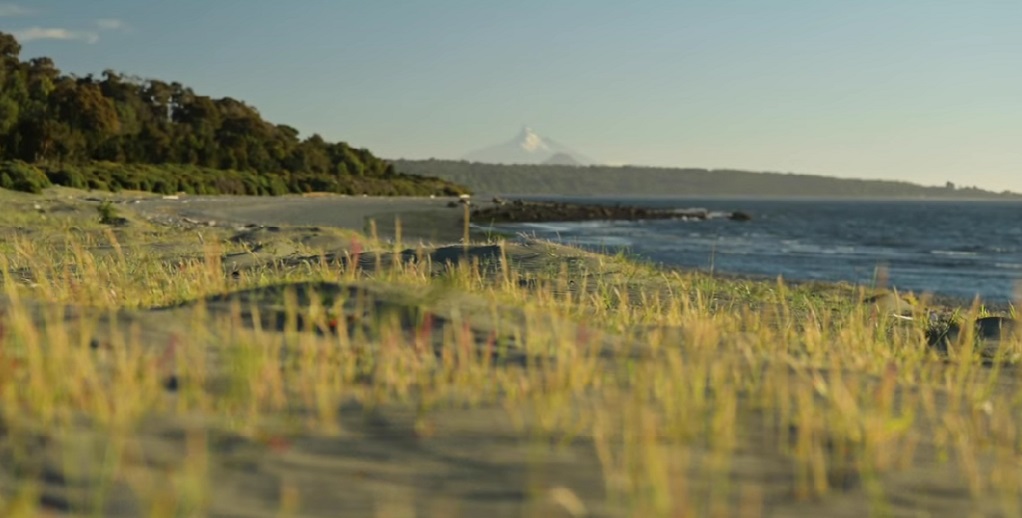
(9, 46)
(52, 120)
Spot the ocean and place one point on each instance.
(957, 249)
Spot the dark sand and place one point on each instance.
(425, 219)
(473, 461)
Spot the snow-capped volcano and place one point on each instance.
(528, 147)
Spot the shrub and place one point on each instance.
(162, 186)
(172, 178)
(23, 177)
(108, 215)
(68, 176)
(97, 185)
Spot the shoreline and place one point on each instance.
(432, 221)
(423, 220)
(521, 211)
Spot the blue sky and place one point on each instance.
(926, 91)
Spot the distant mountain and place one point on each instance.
(528, 147)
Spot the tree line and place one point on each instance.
(61, 125)
(596, 180)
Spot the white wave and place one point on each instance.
(552, 228)
(601, 241)
(953, 253)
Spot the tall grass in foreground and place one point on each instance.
(678, 385)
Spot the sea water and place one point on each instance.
(952, 248)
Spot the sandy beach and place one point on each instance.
(227, 356)
(421, 218)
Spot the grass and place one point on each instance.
(690, 394)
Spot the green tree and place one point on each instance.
(47, 117)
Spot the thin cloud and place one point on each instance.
(64, 34)
(7, 10)
(54, 33)
(58, 33)
(110, 24)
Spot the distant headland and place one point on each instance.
(624, 181)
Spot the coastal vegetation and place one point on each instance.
(243, 370)
(618, 181)
(120, 132)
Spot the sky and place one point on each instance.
(927, 91)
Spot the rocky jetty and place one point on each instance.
(519, 211)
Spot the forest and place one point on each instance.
(619, 181)
(119, 132)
